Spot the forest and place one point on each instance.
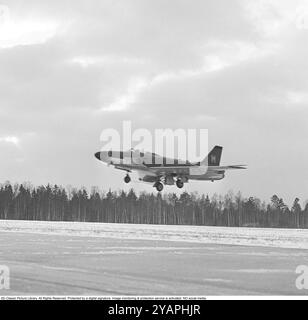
(55, 203)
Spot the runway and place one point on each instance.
(46, 264)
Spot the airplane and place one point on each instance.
(161, 171)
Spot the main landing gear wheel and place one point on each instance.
(159, 187)
(180, 184)
(127, 179)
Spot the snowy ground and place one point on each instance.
(279, 238)
(56, 258)
(49, 264)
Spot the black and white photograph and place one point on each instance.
(153, 150)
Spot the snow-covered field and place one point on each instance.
(56, 258)
(280, 238)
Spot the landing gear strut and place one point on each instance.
(127, 179)
(180, 184)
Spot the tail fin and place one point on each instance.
(214, 157)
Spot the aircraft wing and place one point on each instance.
(176, 171)
(153, 174)
(155, 171)
(123, 168)
(225, 168)
(150, 174)
(185, 170)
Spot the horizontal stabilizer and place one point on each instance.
(236, 167)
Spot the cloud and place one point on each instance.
(123, 102)
(89, 61)
(273, 18)
(217, 56)
(69, 69)
(21, 32)
(302, 17)
(297, 98)
(10, 140)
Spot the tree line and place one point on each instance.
(55, 203)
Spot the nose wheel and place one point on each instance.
(127, 179)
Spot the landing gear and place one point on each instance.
(127, 179)
(180, 184)
(159, 186)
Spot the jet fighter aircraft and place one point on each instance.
(161, 171)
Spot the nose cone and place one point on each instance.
(98, 155)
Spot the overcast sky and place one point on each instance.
(71, 68)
